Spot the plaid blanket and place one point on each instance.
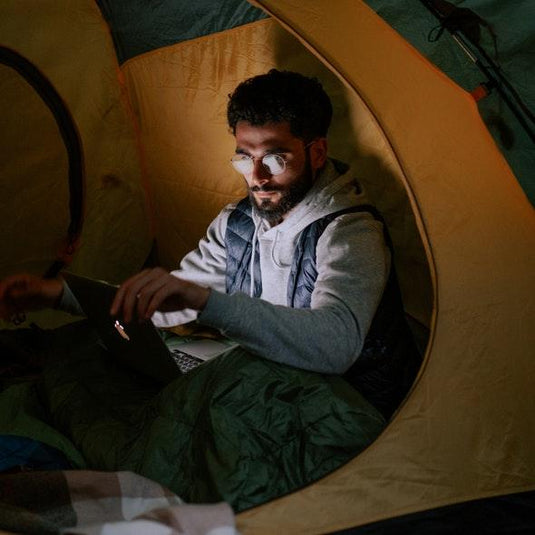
(93, 503)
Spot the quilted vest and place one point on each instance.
(389, 360)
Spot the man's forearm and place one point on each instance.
(325, 340)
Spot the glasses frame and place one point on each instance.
(252, 159)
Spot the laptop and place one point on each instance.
(140, 345)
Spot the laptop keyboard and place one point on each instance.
(184, 361)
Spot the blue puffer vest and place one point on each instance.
(389, 360)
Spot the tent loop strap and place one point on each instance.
(71, 140)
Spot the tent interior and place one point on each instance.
(146, 86)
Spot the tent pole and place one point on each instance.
(451, 18)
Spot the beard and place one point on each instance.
(290, 196)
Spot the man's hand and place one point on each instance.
(156, 289)
(23, 292)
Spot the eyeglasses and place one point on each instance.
(274, 164)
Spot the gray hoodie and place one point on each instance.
(352, 262)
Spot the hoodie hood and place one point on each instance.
(334, 189)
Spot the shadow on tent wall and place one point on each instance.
(357, 138)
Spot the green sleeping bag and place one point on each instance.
(239, 428)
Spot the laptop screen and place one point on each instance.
(138, 344)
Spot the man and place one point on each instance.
(298, 272)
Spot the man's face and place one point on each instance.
(273, 196)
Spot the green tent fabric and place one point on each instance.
(507, 36)
(139, 26)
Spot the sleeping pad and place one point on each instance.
(239, 428)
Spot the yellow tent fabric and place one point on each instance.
(73, 49)
(179, 98)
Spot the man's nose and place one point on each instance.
(260, 174)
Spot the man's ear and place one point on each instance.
(318, 153)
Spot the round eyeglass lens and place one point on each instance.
(242, 163)
(274, 163)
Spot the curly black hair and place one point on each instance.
(280, 96)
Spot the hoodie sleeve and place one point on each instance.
(205, 266)
(353, 265)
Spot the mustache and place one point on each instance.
(265, 188)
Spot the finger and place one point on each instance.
(117, 305)
(147, 293)
(17, 294)
(168, 297)
(25, 292)
(9, 283)
(117, 302)
(11, 306)
(129, 291)
(22, 291)
(141, 290)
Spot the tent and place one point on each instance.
(146, 85)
